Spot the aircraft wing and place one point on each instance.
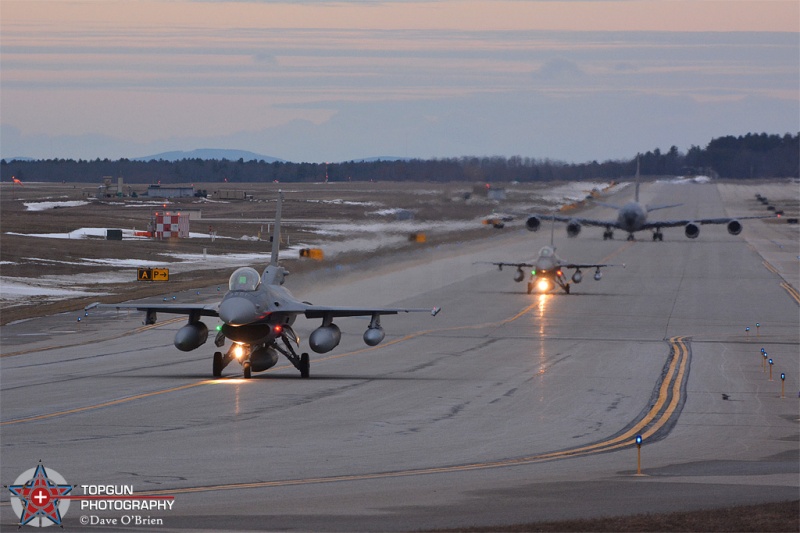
(178, 309)
(318, 311)
(674, 223)
(657, 207)
(581, 221)
(517, 265)
(588, 265)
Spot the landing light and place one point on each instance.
(238, 351)
(543, 285)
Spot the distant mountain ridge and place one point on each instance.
(209, 153)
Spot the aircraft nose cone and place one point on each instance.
(237, 311)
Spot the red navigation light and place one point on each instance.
(277, 329)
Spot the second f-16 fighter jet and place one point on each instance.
(547, 271)
(257, 314)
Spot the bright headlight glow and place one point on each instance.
(238, 351)
(543, 285)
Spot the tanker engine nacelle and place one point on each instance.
(191, 336)
(374, 336)
(325, 338)
(692, 230)
(263, 358)
(734, 227)
(533, 223)
(573, 228)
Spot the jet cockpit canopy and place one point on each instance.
(244, 279)
(546, 251)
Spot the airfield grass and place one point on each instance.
(767, 517)
(307, 207)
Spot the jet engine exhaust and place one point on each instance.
(573, 228)
(533, 223)
(325, 338)
(191, 336)
(734, 227)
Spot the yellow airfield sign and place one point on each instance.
(153, 274)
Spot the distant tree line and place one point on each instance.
(743, 157)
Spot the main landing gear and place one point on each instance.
(608, 234)
(220, 363)
(301, 362)
(657, 235)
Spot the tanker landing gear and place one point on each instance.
(608, 234)
(657, 235)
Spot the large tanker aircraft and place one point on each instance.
(632, 217)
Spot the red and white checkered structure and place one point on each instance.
(167, 225)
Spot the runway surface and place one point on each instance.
(506, 408)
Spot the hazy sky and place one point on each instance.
(331, 81)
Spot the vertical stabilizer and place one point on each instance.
(636, 197)
(276, 234)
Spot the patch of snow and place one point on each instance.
(42, 206)
(343, 202)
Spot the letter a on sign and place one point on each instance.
(145, 274)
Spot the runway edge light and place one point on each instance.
(638, 455)
(770, 369)
(783, 381)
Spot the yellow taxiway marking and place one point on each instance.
(770, 267)
(104, 404)
(282, 367)
(792, 292)
(659, 414)
(94, 341)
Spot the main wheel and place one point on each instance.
(217, 366)
(566, 288)
(247, 371)
(530, 287)
(305, 365)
